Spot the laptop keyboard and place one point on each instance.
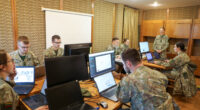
(110, 92)
(35, 101)
(23, 89)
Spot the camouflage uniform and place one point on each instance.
(8, 97)
(123, 47)
(30, 59)
(182, 73)
(161, 43)
(117, 50)
(145, 89)
(51, 53)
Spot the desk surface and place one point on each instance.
(146, 63)
(89, 85)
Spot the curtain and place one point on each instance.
(130, 27)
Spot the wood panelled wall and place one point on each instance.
(24, 17)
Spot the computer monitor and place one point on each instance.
(66, 68)
(101, 62)
(144, 47)
(77, 49)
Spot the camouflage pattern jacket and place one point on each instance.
(161, 43)
(145, 89)
(183, 73)
(30, 59)
(49, 53)
(8, 97)
(123, 47)
(117, 50)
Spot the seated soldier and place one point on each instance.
(182, 71)
(54, 50)
(22, 56)
(145, 88)
(115, 46)
(8, 97)
(125, 45)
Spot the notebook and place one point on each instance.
(25, 79)
(106, 86)
(37, 100)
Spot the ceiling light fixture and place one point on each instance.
(155, 4)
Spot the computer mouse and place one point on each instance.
(103, 104)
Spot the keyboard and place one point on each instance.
(23, 89)
(35, 101)
(110, 92)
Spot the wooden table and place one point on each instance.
(89, 85)
(145, 63)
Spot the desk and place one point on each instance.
(145, 63)
(89, 85)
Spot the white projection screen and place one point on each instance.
(72, 27)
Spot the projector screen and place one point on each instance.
(72, 27)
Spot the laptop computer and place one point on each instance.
(66, 96)
(106, 86)
(37, 100)
(149, 57)
(25, 79)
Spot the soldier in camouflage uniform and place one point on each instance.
(161, 44)
(115, 46)
(125, 45)
(54, 50)
(8, 97)
(182, 72)
(22, 56)
(144, 88)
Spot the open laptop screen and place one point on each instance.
(25, 74)
(149, 56)
(101, 62)
(144, 47)
(104, 81)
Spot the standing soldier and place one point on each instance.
(22, 56)
(182, 72)
(125, 45)
(143, 87)
(161, 43)
(54, 50)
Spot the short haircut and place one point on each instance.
(23, 39)
(114, 39)
(163, 28)
(132, 55)
(181, 45)
(3, 58)
(125, 39)
(55, 37)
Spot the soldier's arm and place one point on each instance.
(123, 91)
(6, 97)
(46, 54)
(35, 60)
(166, 44)
(172, 62)
(154, 44)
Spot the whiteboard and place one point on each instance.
(72, 27)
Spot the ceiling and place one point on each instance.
(145, 4)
